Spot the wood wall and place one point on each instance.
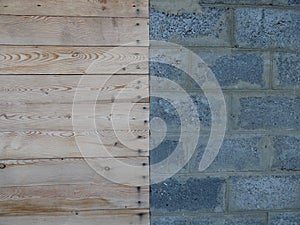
(46, 46)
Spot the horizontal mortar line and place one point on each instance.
(264, 210)
(288, 50)
(270, 6)
(231, 91)
(238, 173)
(70, 16)
(196, 213)
(260, 132)
(237, 48)
(206, 133)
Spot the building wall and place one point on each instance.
(253, 48)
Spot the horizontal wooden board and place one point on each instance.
(73, 60)
(59, 198)
(34, 172)
(61, 144)
(71, 31)
(99, 8)
(22, 117)
(62, 88)
(99, 217)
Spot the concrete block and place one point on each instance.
(266, 112)
(267, 28)
(168, 220)
(237, 69)
(236, 219)
(188, 194)
(286, 153)
(237, 153)
(264, 192)
(286, 69)
(205, 26)
(284, 218)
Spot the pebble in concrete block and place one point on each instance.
(193, 194)
(264, 193)
(237, 70)
(286, 154)
(267, 28)
(286, 218)
(208, 27)
(237, 153)
(275, 112)
(242, 219)
(287, 70)
(168, 220)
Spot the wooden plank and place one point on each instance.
(101, 217)
(62, 88)
(102, 8)
(71, 31)
(77, 171)
(61, 198)
(65, 117)
(73, 60)
(61, 144)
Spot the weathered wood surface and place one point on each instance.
(50, 171)
(77, 197)
(62, 88)
(98, 8)
(61, 144)
(45, 30)
(32, 172)
(103, 217)
(73, 60)
(18, 116)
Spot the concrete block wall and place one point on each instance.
(253, 49)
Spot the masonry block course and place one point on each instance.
(169, 220)
(267, 28)
(267, 112)
(207, 26)
(264, 192)
(286, 218)
(231, 219)
(237, 69)
(191, 194)
(237, 153)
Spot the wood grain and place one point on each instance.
(62, 144)
(75, 171)
(62, 88)
(73, 60)
(22, 117)
(60, 198)
(99, 8)
(99, 217)
(71, 31)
